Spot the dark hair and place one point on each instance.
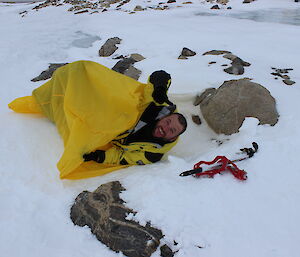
(182, 121)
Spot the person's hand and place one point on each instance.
(97, 156)
(160, 79)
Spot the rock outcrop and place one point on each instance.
(105, 213)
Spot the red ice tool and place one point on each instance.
(222, 164)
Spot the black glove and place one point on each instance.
(97, 156)
(161, 81)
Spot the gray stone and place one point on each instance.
(280, 75)
(187, 52)
(105, 213)
(216, 52)
(196, 119)
(215, 7)
(235, 70)
(47, 74)
(166, 251)
(182, 57)
(109, 47)
(124, 64)
(288, 82)
(138, 8)
(239, 61)
(225, 109)
(137, 57)
(230, 56)
(223, 2)
(133, 72)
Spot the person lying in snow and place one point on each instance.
(107, 120)
(158, 128)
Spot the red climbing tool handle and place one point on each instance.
(223, 164)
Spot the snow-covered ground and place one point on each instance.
(225, 217)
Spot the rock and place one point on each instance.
(47, 74)
(212, 63)
(137, 57)
(109, 47)
(230, 56)
(105, 213)
(235, 70)
(171, 1)
(237, 65)
(166, 251)
(138, 8)
(122, 65)
(280, 75)
(216, 52)
(215, 7)
(83, 11)
(283, 70)
(185, 52)
(223, 2)
(133, 72)
(239, 61)
(285, 76)
(196, 119)
(181, 57)
(248, 1)
(125, 67)
(226, 108)
(288, 82)
(207, 92)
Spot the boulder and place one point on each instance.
(105, 213)
(109, 47)
(225, 108)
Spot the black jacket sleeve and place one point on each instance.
(97, 156)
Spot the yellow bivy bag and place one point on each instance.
(91, 105)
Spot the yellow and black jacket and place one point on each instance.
(137, 146)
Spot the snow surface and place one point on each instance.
(220, 217)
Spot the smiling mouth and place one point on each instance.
(162, 133)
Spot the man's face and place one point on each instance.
(168, 128)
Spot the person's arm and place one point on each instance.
(161, 82)
(133, 155)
